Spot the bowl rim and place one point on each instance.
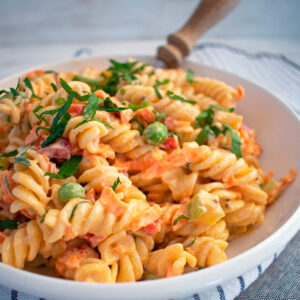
(199, 280)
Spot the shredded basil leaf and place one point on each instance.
(179, 98)
(190, 75)
(75, 207)
(9, 154)
(68, 168)
(135, 107)
(69, 90)
(191, 243)
(179, 218)
(110, 106)
(54, 87)
(8, 224)
(95, 84)
(21, 158)
(158, 94)
(221, 108)
(116, 183)
(28, 84)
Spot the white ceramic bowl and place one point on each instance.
(278, 131)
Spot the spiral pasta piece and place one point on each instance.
(79, 217)
(32, 186)
(207, 250)
(22, 245)
(170, 261)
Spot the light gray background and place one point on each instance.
(67, 21)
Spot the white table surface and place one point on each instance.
(18, 57)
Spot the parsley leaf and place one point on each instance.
(8, 224)
(159, 116)
(178, 98)
(68, 168)
(190, 75)
(235, 140)
(158, 83)
(203, 135)
(179, 218)
(116, 183)
(90, 109)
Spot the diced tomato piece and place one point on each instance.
(100, 94)
(170, 143)
(31, 137)
(76, 109)
(152, 228)
(2, 237)
(147, 114)
(241, 93)
(93, 239)
(32, 74)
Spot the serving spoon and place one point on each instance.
(207, 14)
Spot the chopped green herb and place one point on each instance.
(191, 243)
(110, 106)
(28, 84)
(21, 158)
(163, 82)
(8, 224)
(104, 123)
(151, 73)
(51, 71)
(179, 218)
(158, 94)
(135, 107)
(58, 131)
(204, 134)
(60, 101)
(68, 168)
(54, 87)
(160, 116)
(221, 108)
(40, 128)
(75, 207)
(7, 118)
(60, 122)
(235, 140)
(95, 84)
(190, 75)
(90, 109)
(43, 217)
(122, 91)
(94, 119)
(69, 90)
(179, 98)
(39, 116)
(9, 154)
(116, 183)
(7, 184)
(149, 276)
(187, 165)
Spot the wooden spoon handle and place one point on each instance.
(180, 43)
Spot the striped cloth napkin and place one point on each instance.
(273, 72)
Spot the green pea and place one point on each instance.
(195, 209)
(155, 133)
(69, 191)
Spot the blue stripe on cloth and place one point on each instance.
(221, 292)
(196, 297)
(14, 295)
(242, 283)
(259, 268)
